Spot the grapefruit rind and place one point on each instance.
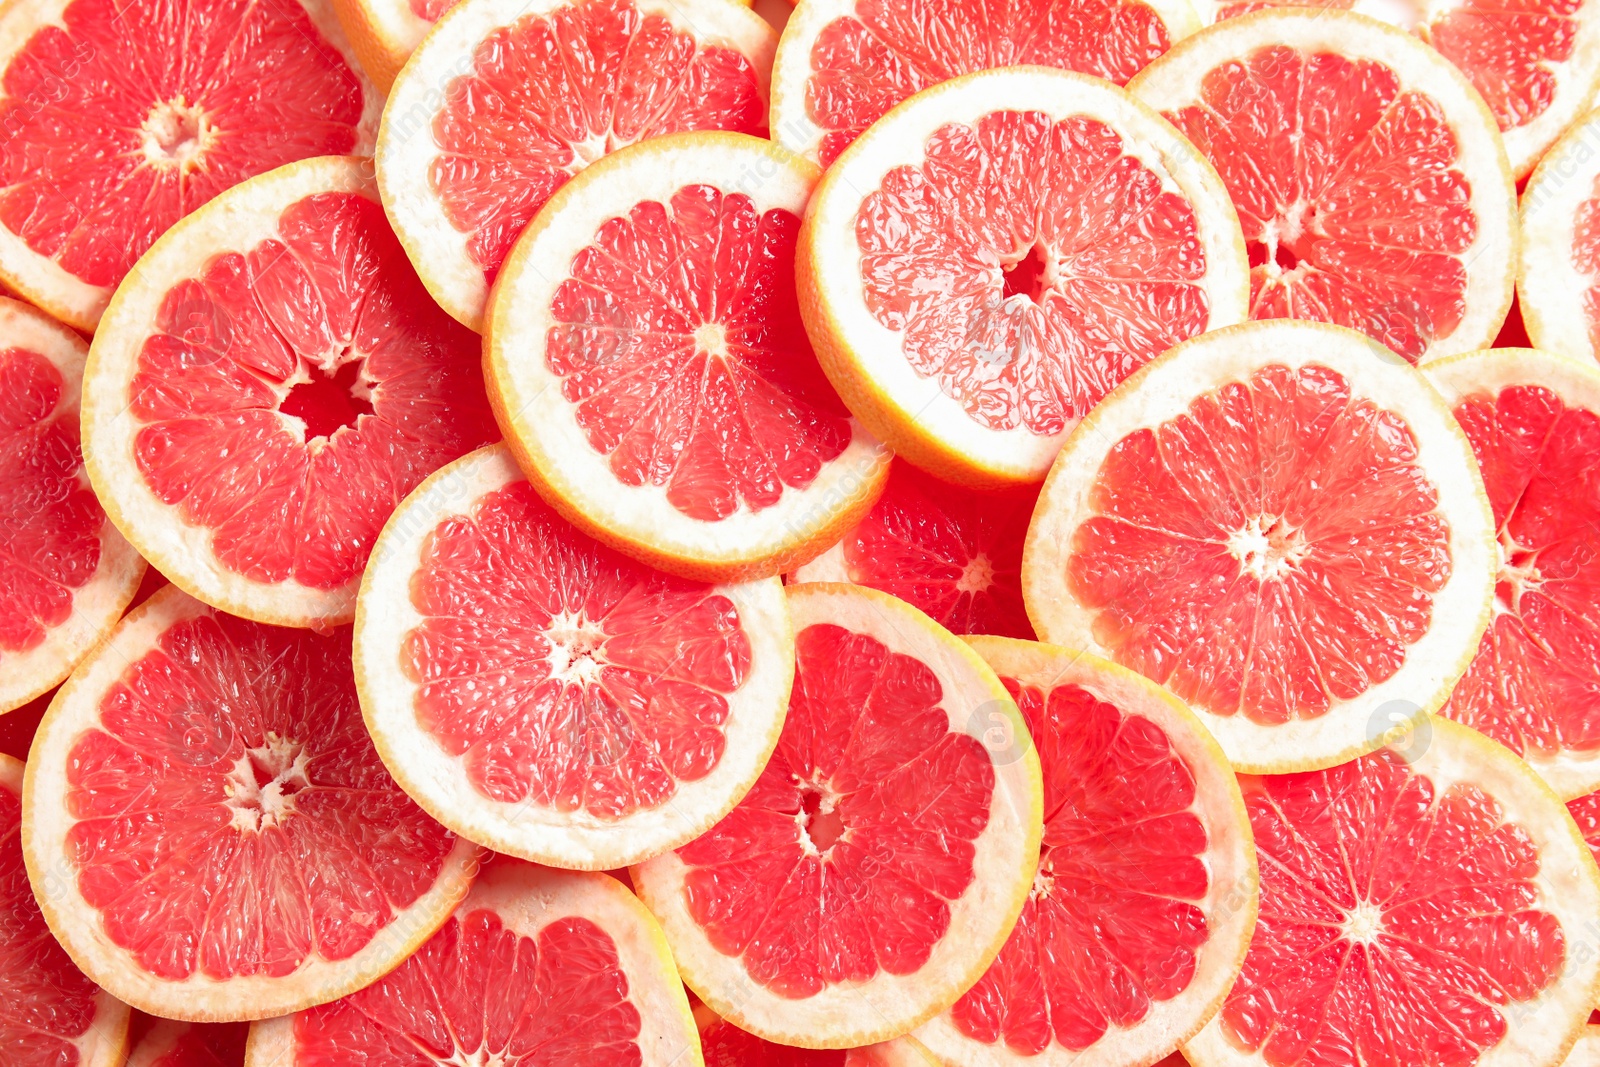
(407, 149)
(236, 220)
(1232, 891)
(527, 899)
(1173, 81)
(1570, 773)
(1586, 1053)
(434, 779)
(98, 604)
(1006, 857)
(863, 358)
(904, 1051)
(44, 282)
(77, 925)
(1550, 288)
(1163, 389)
(791, 122)
(105, 1043)
(540, 425)
(1539, 1032)
(383, 34)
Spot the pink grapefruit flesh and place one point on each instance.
(1585, 811)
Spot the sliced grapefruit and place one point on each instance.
(1430, 902)
(169, 1043)
(1141, 912)
(509, 99)
(210, 831)
(883, 856)
(725, 1045)
(1536, 63)
(535, 967)
(647, 363)
(266, 388)
(1534, 686)
(1558, 286)
(1282, 526)
(843, 63)
(68, 575)
(54, 1016)
(549, 697)
(1369, 176)
(111, 137)
(976, 276)
(955, 554)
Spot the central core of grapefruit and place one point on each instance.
(820, 818)
(176, 135)
(1268, 547)
(1518, 573)
(326, 399)
(575, 645)
(1027, 276)
(264, 781)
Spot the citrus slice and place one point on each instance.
(549, 697)
(883, 856)
(1282, 526)
(646, 359)
(170, 1043)
(725, 1045)
(1558, 286)
(510, 98)
(1141, 912)
(1536, 63)
(956, 555)
(1369, 176)
(212, 835)
(843, 63)
(54, 1016)
(1534, 423)
(267, 386)
(976, 276)
(69, 574)
(535, 967)
(111, 137)
(1429, 902)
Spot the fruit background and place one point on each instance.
(885, 533)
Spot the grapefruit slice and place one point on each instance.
(1429, 902)
(509, 99)
(647, 362)
(211, 834)
(68, 573)
(266, 388)
(1558, 284)
(110, 139)
(1141, 912)
(843, 63)
(1284, 528)
(549, 697)
(976, 276)
(955, 555)
(54, 1016)
(1369, 176)
(883, 856)
(535, 967)
(1536, 63)
(170, 1043)
(1534, 686)
(725, 1045)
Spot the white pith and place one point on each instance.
(1550, 287)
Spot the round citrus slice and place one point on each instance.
(976, 276)
(843, 63)
(549, 697)
(169, 1043)
(1369, 176)
(1558, 287)
(535, 967)
(724, 1045)
(883, 856)
(1429, 902)
(955, 554)
(1534, 423)
(1536, 63)
(491, 116)
(1284, 527)
(111, 136)
(209, 829)
(645, 356)
(54, 1016)
(69, 574)
(267, 386)
(1142, 909)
